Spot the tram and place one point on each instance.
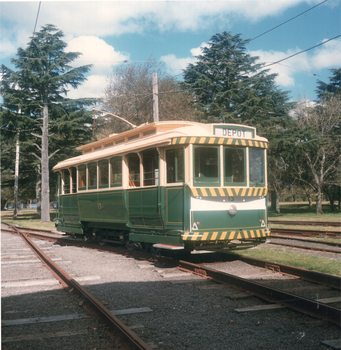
(169, 185)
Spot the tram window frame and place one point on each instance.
(134, 177)
(73, 172)
(150, 162)
(66, 181)
(210, 181)
(115, 177)
(243, 162)
(261, 172)
(82, 177)
(175, 166)
(92, 176)
(103, 173)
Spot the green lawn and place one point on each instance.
(28, 218)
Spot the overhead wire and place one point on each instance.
(35, 25)
(300, 14)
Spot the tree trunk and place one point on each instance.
(38, 190)
(278, 195)
(310, 199)
(45, 188)
(319, 201)
(273, 200)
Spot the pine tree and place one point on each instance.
(229, 86)
(41, 80)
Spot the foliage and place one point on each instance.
(37, 89)
(229, 86)
(129, 94)
(326, 90)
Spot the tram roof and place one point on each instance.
(145, 136)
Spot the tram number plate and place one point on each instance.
(200, 272)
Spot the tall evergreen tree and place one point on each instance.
(42, 78)
(327, 90)
(229, 86)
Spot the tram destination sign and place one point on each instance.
(235, 132)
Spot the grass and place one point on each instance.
(28, 218)
(307, 262)
(301, 211)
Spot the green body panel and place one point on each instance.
(150, 238)
(68, 209)
(220, 220)
(143, 208)
(68, 228)
(113, 208)
(174, 197)
(102, 206)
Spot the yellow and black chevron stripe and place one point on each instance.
(230, 192)
(218, 141)
(224, 235)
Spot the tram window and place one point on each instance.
(150, 168)
(74, 180)
(116, 171)
(103, 173)
(81, 178)
(92, 176)
(134, 171)
(66, 181)
(175, 165)
(256, 167)
(234, 166)
(206, 165)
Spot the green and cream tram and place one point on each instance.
(173, 185)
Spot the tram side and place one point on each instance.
(195, 192)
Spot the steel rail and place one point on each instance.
(312, 233)
(304, 305)
(305, 247)
(326, 279)
(299, 239)
(120, 329)
(305, 223)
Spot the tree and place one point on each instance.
(129, 94)
(326, 90)
(229, 86)
(42, 79)
(318, 147)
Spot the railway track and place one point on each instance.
(305, 223)
(306, 233)
(316, 308)
(122, 334)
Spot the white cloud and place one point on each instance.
(97, 52)
(108, 18)
(92, 88)
(328, 55)
(175, 65)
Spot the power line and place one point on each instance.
(34, 30)
(298, 53)
(288, 20)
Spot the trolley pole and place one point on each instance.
(155, 98)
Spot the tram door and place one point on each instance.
(143, 193)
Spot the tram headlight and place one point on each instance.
(232, 211)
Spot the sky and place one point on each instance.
(109, 33)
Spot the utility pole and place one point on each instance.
(155, 98)
(16, 172)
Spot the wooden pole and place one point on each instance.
(155, 98)
(16, 173)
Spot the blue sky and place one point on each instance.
(107, 33)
